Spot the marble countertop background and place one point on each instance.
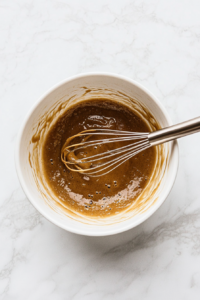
(155, 42)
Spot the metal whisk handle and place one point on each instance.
(174, 132)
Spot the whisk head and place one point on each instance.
(96, 152)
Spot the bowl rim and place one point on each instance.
(83, 231)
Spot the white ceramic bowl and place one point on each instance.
(63, 91)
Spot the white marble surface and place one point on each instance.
(155, 42)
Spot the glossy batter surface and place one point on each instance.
(101, 196)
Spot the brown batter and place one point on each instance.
(99, 196)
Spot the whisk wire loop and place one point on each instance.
(103, 162)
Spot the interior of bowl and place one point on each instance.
(48, 109)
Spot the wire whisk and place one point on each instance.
(120, 146)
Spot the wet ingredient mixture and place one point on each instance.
(96, 196)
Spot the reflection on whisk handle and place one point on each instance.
(174, 132)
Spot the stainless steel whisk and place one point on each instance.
(102, 163)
